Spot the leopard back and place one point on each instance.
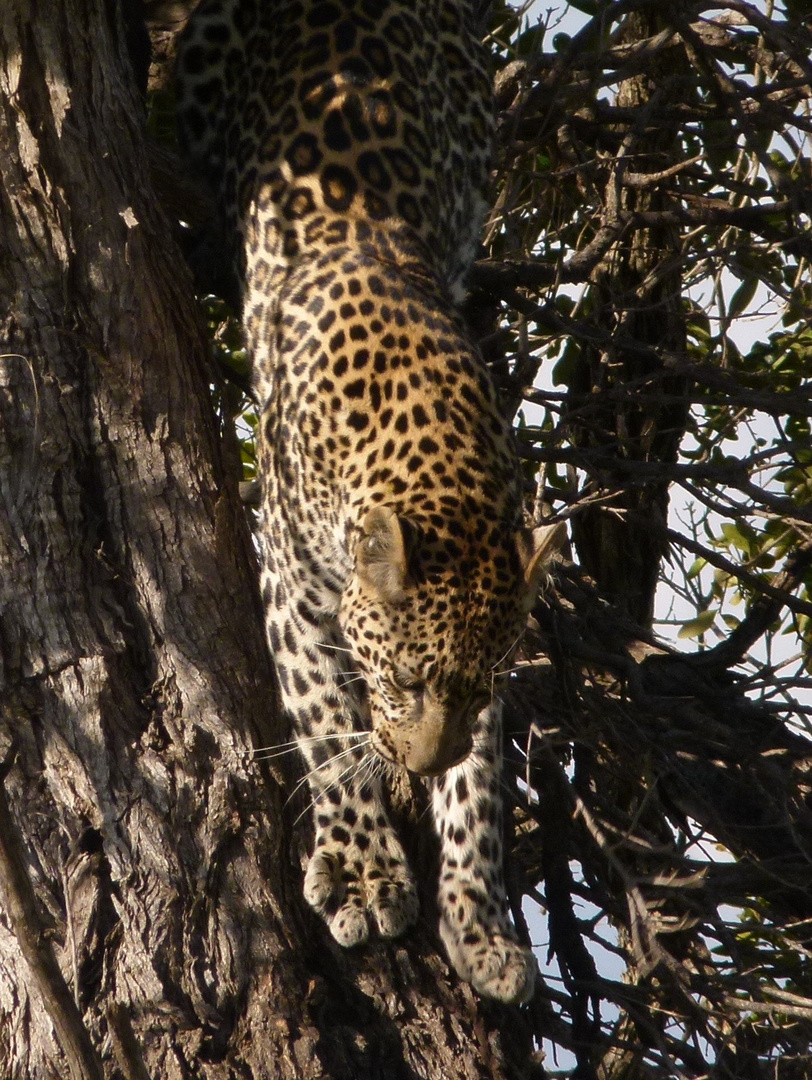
(311, 119)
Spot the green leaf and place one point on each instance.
(739, 534)
(742, 297)
(698, 626)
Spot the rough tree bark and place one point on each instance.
(134, 679)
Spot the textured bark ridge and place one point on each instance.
(134, 679)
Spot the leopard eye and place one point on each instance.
(405, 680)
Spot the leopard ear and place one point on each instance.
(537, 549)
(383, 553)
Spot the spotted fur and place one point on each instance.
(348, 141)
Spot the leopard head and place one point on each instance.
(430, 621)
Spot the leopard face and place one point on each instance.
(431, 632)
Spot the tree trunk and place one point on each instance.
(134, 681)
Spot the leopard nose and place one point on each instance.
(434, 745)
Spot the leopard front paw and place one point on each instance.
(492, 960)
(357, 889)
(482, 943)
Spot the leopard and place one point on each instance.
(348, 146)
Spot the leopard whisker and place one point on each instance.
(265, 753)
(335, 648)
(353, 770)
(366, 762)
(374, 767)
(330, 762)
(262, 755)
(302, 813)
(349, 679)
(369, 766)
(426, 811)
(311, 773)
(510, 670)
(494, 673)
